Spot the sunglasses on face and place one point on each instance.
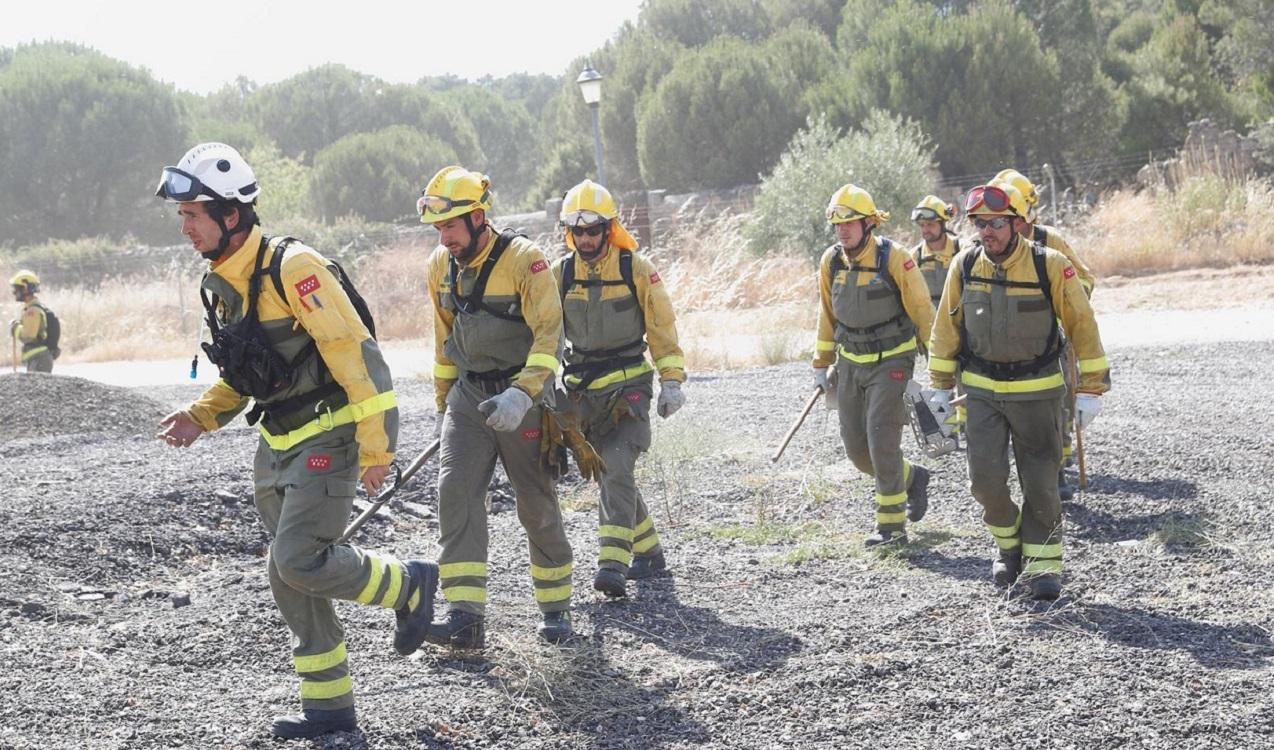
(986, 195)
(594, 231)
(995, 222)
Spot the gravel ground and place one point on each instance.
(135, 612)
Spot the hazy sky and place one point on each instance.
(200, 45)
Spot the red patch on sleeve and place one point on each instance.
(533, 434)
(538, 266)
(897, 374)
(634, 396)
(910, 264)
(654, 277)
(307, 285)
(1069, 273)
(319, 462)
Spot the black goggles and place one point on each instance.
(180, 186)
(926, 214)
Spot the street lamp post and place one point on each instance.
(590, 86)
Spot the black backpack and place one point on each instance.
(52, 331)
(356, 299)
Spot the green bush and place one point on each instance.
(888, 157)
(376, 176)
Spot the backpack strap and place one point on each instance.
(276, 264)
(625, 274)
(1052, 349)
(472, 302)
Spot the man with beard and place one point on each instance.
(939, 244)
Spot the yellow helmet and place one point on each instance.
(1019, 181)
(996, 199)
(454, 191)
(27, 279)
(852, 203)
(586, 204)
(933, 208)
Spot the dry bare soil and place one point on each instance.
(135, 612)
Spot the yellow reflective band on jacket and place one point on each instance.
(864, 359)
(553, 594)
(618, 376)
(618, 554)
(446, 372)
(1042, 566)
(615, 532)
(551, 574)
(1094, 365)
(938, 364)
(476, 594)
(824, 346)
(319, 662)
(671, 360)
(1042, 550)
(646, 544)
(1045, 383)
(321, 690)
(542, 360)
(29, 353)
(330, 420)
(460, 569)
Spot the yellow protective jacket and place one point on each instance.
(478, 341)
(1013, 323)
(600, 314)
(31, 329)
(933, 266)
(1050, 237)
(316, 309)
(912, 297)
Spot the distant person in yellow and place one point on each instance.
(287, 335)
(997, 326)
(874, 315)
(1050, 237)
(938, 245)
(614, 307)
(37, 330)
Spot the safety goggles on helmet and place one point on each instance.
(596, 230)
(995, 222)
(183, 187)
(437, 204)
(583, 218)
(926, 214)
(990, 196)
(844, 213)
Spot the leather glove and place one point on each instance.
(820, 379)
(505, 411)
(552, 445)
(438, 425)
(587, 459)
(670, 398)
(1087, 407)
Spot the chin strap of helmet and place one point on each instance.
(472, 248)
(226, 234)
(862, 242)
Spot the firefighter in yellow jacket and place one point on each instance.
(1051, 237)
(286, 335)
(36, 330)
(497, 342)
(938, 242)
(614, 306)
(997, 323)
(874, 315)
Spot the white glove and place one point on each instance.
(1087, 407)
(670, 398)
(820, 379)
(505, 411)
(438, 425)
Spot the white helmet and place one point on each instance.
(209, 172)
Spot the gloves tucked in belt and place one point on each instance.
(505, 411)
(1087, 407)
(670, 398)
(560, 428)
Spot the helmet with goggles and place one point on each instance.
(933, 208)
(1021, 183)
(209, 172)
(587, 204)
(851, 203)
(453, 191)
(995, 199)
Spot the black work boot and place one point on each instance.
(415, 617)
(458, 629)
(313, 722)
(1045, 586)
(610, 582)
(885, 537)
(647, 566)
(1007, 567)
(918, 494)
(556, 626)
(1064, 489)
